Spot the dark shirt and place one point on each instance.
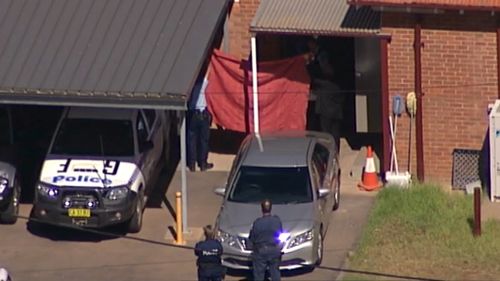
(320, 69)
(265, 231)
(329, 97)
(208, 252)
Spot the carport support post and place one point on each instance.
(183, 173)
(255, 85)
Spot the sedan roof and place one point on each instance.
(282, 149)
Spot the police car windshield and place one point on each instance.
(94, 137)
(281, 185)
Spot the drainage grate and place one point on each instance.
(465, 167)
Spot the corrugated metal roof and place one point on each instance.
(104, 52)
(321, 17)
(448, 4)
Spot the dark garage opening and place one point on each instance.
(32, 130)
(356, 63)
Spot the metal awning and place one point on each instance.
(116, 53)
(479, 5)
(315, 17)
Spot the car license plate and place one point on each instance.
(80, 213)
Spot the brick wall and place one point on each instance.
(459, 79)
(240, 18)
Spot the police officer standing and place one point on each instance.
(198, 126)
(329, 97)
(266, 250)
(209, 254)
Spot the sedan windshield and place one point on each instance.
(93, 137)
(280, 185)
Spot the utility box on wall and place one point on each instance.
(494, 120)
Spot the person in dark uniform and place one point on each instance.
(209, 254)
(266, 249)
(330, 99)
(198, 126)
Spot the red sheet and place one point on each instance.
(283, 91)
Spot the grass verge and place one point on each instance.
(425, 233)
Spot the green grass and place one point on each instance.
(425, 232)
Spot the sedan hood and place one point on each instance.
(237, 218)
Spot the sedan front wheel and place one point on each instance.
(320, 249)
(336, 195)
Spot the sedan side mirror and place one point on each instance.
(323, 192)
(221, 191)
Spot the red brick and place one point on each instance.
(459, 51)
(459, 78)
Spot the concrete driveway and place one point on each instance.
(345, 226)
(31, 252)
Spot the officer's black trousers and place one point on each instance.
(210, 274)
(198, 131)
(266, 259)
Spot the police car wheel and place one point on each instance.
(10, 214)
(135, 223)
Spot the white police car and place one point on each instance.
(99, 165)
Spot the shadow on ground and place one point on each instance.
(157, 193)
(358, 140)
(61, 233)
(246, 275)
(221, 141)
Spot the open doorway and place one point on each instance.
(357, 68)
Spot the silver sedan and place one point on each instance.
(299, 172)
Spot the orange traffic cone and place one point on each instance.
(370, 180)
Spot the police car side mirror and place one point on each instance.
(221, 191)
(323, 192)
(145, 146)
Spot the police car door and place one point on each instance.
(154, 123)
(145, 162)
